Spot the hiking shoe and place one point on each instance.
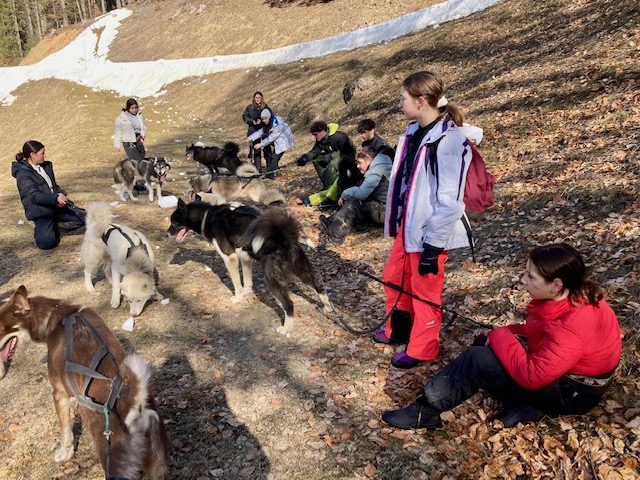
(380, 337)
(326, 221)
(402, 360)
(511, 415)
(411, 417)
(305, 200)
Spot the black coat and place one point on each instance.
(38, 200)
(252, 113)
(338, 142)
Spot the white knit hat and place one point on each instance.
(265, 114)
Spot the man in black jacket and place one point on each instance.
(45, 203)
(332, 154)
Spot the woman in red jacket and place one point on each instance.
(560, 361)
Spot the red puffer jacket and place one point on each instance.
(562, 338)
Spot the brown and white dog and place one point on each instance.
(138, 441)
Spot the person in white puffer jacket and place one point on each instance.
(130, 131)
(425, 207)
(274, 131)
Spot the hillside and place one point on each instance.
(554, 85)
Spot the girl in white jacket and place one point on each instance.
(425, 205)
(274, 132)
(130, 131)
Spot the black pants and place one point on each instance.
(68, 220)
(134, 150)
(257, 155)
(272, 163)
(355, 212)
(478, 368)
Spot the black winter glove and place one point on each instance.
(429, 259)
(302, 161)
(479, 341)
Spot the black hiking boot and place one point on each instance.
(412, 417)
(511, 415)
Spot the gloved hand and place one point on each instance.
(479, 341)
(429, 260)
(302, 161)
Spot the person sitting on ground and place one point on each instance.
(559, 362)
(45, 203)
(251, 116)
(365, 203)
(274, 132)
(332, 147)
(130, 131)
(367, 130)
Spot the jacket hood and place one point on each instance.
(332, 128)
(380, 160)
(18, 165)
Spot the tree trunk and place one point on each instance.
(27, 9)
(38, 22)
(65, 19)
(79, 11)
(17, 28)
(55, 16)
(103, 6)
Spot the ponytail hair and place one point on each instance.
(32, 146)
(429, 85)
(562, 261)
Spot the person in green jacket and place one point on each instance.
(331, 149)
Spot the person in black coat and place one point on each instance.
(251, 116)
(45, 203)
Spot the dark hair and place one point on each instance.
(253, 99)
(366, 152)
(365, 125)
(429, 85)
(130, 102)
(32, 146)
(561, 260)
(318, 126)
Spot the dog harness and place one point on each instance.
(90, 372)
(109, 231)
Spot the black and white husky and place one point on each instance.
(242, 234)
(152, 171)
(215, 158)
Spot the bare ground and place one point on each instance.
(554, 84)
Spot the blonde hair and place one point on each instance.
(429, 85)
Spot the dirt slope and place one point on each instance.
(555, 86)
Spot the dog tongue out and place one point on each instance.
(181, 234)
(8, 350)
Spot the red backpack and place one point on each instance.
(478, 189)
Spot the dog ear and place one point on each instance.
(20, 301)
(181, 204)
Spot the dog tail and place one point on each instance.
(142, 419)
(231, 149)
(273, 197)
(99, 216)
(247, 170)
(276, 230)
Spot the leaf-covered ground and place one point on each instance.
(555, 86)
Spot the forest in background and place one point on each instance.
(24, 22)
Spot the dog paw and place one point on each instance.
(282, 330)
(237, 298)
(91, 289)
(63, 454)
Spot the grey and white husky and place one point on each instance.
(152, 171)
(125, 255)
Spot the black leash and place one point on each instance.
(455, 315)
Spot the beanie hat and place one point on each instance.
(265, 114)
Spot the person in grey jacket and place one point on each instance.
(365, 203)
(276, 132)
